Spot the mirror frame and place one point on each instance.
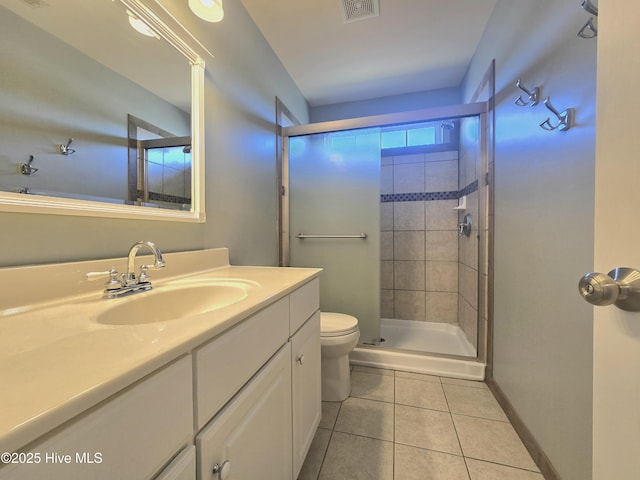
(42, 204)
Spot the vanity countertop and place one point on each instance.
(57, 360)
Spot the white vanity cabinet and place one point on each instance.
(306, 379)
(132, 435)
(226, 363)
(237, 386)
(183, 467)
(306, 393)
(253, 432)
(266, 429)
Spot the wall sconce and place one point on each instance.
(589, 30)
(533, 97)
(27, 168)
(65, 149)
(208, 10)
(565, 119)
(590, 7)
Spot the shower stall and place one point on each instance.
(428, 256)
(394, 208)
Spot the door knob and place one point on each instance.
(621, 287)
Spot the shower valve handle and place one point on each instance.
(621, 287)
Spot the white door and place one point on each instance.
(616, 370)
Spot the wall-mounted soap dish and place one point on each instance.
(462, 203)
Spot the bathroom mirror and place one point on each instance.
(98, 119)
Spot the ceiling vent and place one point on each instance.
(353, 10)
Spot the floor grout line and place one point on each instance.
(326, 450)
(456, 431)
(393, 442)
(503, 465)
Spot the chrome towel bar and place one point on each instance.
(306, 235)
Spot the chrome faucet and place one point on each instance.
(129, 278)
(115, 288)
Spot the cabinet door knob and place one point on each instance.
(300, 359)
(222, 470)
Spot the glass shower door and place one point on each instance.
(334, 196)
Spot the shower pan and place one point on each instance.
(378, 203)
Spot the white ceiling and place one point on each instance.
(100, 30)
(413, 45)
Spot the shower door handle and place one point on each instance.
(620, 287)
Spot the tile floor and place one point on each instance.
(406, 426)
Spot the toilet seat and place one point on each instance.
(337, 324)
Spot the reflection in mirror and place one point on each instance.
(159, 170)
(97, 112)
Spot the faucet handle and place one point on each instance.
(111, 284)
(157, 264)
(144, 276)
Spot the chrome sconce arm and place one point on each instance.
(589, 30)
(590, 7)
(27, 168)
(565, 119)
(533, 97)
(65, 149)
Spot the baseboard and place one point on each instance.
(530, 443)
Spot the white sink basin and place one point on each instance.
(172, 302)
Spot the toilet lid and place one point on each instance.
(335, 324)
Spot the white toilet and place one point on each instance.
(339, 335)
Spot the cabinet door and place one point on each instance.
(226, 363)
(131, 436)
(183, 467)
(253, 432)
(306, 384)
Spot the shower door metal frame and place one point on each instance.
(282, 178)
(386, 120)
(389, 119)
(452, 112)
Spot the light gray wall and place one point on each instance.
(240, 88)
(382, 105)
(52, 92)
(544, 205)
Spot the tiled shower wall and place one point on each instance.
(419, 239)
(169, 174)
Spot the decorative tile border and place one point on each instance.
(163, 197)
(428, 196)
(418, 197)
(472, 187)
